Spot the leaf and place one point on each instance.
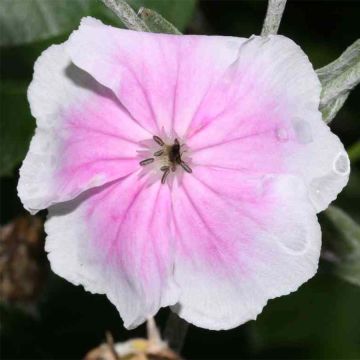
(354, 152)
(16, 126)
(349, 58)
(25, 21)
(343, 241)
(330, 110)
(338, 79)
(318, 321)
(177, 12)
(156, 23)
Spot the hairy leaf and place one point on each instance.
(338, 79)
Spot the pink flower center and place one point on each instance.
(166, 157)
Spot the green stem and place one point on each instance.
(126, 14)
(273, 17)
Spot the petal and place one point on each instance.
(161, 79)
(234, 253)
(84, 137)
(116, 240)
(263, 116)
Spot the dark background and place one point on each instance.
(321, 320)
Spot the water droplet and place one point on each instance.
(282, 134)
(303, 132)
(341, 164)
(295, 243)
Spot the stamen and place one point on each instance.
(158, 153)
(147, 161)
(167, 158)
(158, 140)
(186, 167)
(166, 173)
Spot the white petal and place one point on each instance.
(81, 136)
(232, 257)
(115, 240)
(160, 78)
(272, 91)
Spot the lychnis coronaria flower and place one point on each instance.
(180, 170)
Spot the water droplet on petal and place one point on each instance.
(295, 243)
(341, 164)
(282, 134)
(303, 131)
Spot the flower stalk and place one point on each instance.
(126, 14)
(156, 23)
(273, 17)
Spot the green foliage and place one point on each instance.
(343, 241)
(177, 12)
(337, 79)
(16, 126)
(25, 21)
(312, 323)
(354, 152)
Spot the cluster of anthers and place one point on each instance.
(168, 156)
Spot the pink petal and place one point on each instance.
(217, 89)
(84, 137)
(161, 79)
(117, 240)
(235, 252)
(262, 116)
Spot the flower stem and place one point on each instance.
(175, 332)
(156, 23)
(273, 17)
(126, 14)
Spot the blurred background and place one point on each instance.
(44, 317)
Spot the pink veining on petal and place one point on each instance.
(130, 230)
(239, 128)
(161, 79)
(217, 215)
(100, 143)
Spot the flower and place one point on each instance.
(180, 170)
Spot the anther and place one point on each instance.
(186, 167)
(166, 173)
(158, 140)
(168, 157)
(158, 153)
(147, 161)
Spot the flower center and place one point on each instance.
(166, 157)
